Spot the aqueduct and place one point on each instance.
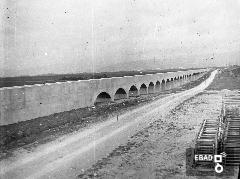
(33, 101)
(148, 86)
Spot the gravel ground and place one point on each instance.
(159, 150)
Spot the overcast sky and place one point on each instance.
(69, 36)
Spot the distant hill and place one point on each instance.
(133, 65)
(190, 61)
(146, 65)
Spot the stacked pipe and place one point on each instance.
(231, 136)
(206, 140)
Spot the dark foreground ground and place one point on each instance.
(31, 133)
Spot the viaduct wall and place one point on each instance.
(32, 101)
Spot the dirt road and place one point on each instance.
(67, 156)
(158, 151)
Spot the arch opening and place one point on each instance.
(103, 97)
(133, 91)
(151, 88)
(163, 85)
(120, 94)
(143, 89)
(157, 86)
(168, 84)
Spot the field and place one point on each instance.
(229, 78)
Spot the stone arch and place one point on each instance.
(168, 84)
(103, 97)
(133, 91)
(163, 85)
(157, 86)
(143, 89)
(151, 88)
(120, 94)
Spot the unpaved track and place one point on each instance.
(65, 157)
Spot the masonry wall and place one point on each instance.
(29, 102)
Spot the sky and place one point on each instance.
(71, 36)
